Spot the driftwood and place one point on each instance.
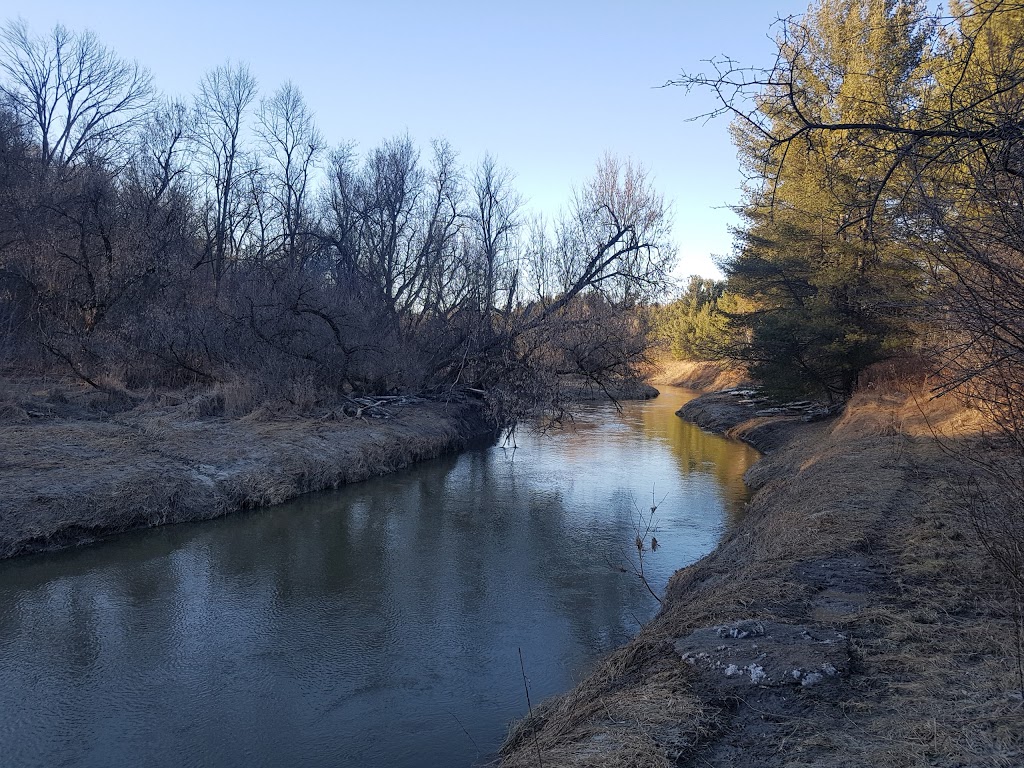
(374, 407)
(809, 410)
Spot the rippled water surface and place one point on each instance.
(379, 624)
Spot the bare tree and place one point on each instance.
(341, 219)
(205, 253)
(616, 237)
(78, 96)
(292, 145)
(16, 163)
(161, 162)
(225, 94)
(391, 191)
(409, 216)
(495, 220)
(538, 259)
(439, 223)
(613, 251)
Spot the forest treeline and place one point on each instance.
(149, 242)
(883, 213)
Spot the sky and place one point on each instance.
(545, 87)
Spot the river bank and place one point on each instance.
(852, 618)
(76, 467)
(72, 473)
(303, 633)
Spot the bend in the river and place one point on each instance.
(379, 624)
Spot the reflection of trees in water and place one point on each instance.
(445, 567)
(70, 625)
(512, 549)
(695, 450)
(67, 607)
(571, 533)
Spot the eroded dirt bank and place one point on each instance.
(66, 479)
(852, 619)
(689, 374)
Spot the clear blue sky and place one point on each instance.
(546, 87)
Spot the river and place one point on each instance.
(379, 624)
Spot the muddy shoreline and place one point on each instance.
(69, 480)
(841, 623)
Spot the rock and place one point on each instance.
(766, 653)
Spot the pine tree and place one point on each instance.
(831, 287)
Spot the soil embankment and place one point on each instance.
(852, 618)
(740, 415)
(704, 376)
(70, 476)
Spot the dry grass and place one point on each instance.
(702, 376)
(861, 513)
(617, 716)
(70, 474)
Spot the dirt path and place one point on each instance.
(851, 620)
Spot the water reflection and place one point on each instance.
(366, 626)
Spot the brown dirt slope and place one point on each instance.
(850, 620)
(69, 478)
(692, 374)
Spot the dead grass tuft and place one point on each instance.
(634, 710)
(906, 375)
(12, 414)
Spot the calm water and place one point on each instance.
(375, 625)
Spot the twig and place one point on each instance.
(477, 746)
(1018, 625)
(644, 528)
(511, 435)
(613, 566)
(529, 706)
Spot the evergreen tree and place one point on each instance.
(693, 326)
(817, 255)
